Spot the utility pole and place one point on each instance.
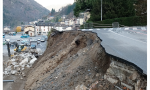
(101, 10)
(8, 48)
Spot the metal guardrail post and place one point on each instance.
(8, 80)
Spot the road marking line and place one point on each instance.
(126, 29)
(110, 29)
(98, 29)
(137, 32)
(134, 28)
(128, 37)
(143, 28)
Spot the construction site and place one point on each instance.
(73, 60)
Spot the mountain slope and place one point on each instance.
(17, 11)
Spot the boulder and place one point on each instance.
(25, 61)
(13, 72)
(134, 75)
(81, 87)
(32, 61)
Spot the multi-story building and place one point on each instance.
(42, 28)
(30, 30)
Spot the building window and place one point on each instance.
(37, 29)
(44, 29)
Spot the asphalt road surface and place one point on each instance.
(128, 43)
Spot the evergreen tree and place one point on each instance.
(52, 11)
(110, 8)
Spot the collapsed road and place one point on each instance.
(130, 45)
(76, 60)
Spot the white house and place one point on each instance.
(29, 30)
(42, 28)
(85, 16)
(81, 20)
(50, 17)
(59, 28)
(71, 22)
(33, 22)
(62, 22)
(6, 29)
(67, 22)
(68, 28)
(77, 21)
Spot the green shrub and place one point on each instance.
(81, 27)
(127, 21)
(49, 33)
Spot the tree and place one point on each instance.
(141, 7)
(52, 11)
(22, 23)
(111, 8)
(18, 29)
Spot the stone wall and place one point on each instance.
(124, 75)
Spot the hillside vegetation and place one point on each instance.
(112, 9)
(16, 12)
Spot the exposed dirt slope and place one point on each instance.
(75, 60)
(71, 58)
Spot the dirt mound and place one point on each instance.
(75, 60)
(71, 58)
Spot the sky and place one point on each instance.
(56, 4)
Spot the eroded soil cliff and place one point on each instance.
(75, 60)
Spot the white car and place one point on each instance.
(32, 40)
(39, 39)
(42, 40)
(7, 40)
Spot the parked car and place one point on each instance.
(33, 40)
(25, 36)
(38, 39)
(24, 41)
(45, 37)
(27, 43)
(3, 35)
(8, 40)
(33, 46)
(42, 39)
(12, 44)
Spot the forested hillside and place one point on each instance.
(66, 10)
(16, 12)
(111, 8)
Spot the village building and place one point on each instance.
(30, 30)
(6, 29)
(66, 22)
(62, 22)
(50, 17)
(42, 28)
(71, 22)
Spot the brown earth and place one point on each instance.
(75, 60)
(71, 59)
(18, 83)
